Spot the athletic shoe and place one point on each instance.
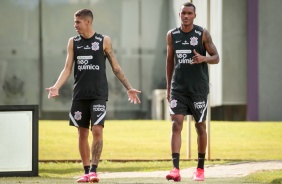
(83, 179)
(199, 175)
(174, 175)
(93, 177)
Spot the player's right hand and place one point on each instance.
(168, 94)
(53, 92)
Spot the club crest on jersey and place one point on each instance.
(77, 115)
(193, 41)
(173, 103)
(95, 46)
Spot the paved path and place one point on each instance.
(214, 171)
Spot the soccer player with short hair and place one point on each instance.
(88, 52)
(188, 83)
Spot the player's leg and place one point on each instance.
(84, 148)
(96, 151)
(177, 125)
(199, 109)
(202, 145)
(98, 113)
(202, 142)
(176, 140)
(80, 118)
(178, 110)
(84, 151)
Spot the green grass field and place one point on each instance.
(150, 140)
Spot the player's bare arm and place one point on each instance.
(114, 64)
(169, 63)
(66, 72)
(211, 49)
(132, 93)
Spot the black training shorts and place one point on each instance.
(84, 111)
(189, 105)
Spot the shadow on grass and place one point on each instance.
(60, 171)
(277, 181)
(69, 171)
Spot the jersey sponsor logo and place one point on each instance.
(84, 57)
(198, 32)
(177, 41)
(87, 67)
(200, 105)
(83, 63)
(77, 38)
(176, 32)
(95, 46)
(185, 43)
(183, 51)
(98, 38)
(182, 56)
(87, 47)
(185, 61)
(194, 41)
(99, 107)
(77, 115)
(173, 103)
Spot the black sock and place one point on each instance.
(93, 168)
(201, 160)
(86, 169)
(175, 160)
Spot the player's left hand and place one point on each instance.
(53, 92)
(132, 96)
(198, 58)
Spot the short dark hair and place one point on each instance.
(84, 13)
(189, 4)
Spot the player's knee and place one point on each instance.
(83, 133)
(176, 126)
(97, 131)
(200, 128)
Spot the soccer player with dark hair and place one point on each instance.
(188, 83)
(87, 53)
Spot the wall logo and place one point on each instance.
(173, 103)
(194, 41)
(95, 46)
(77, 115)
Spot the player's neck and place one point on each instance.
(187, 28)
(88, 34)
